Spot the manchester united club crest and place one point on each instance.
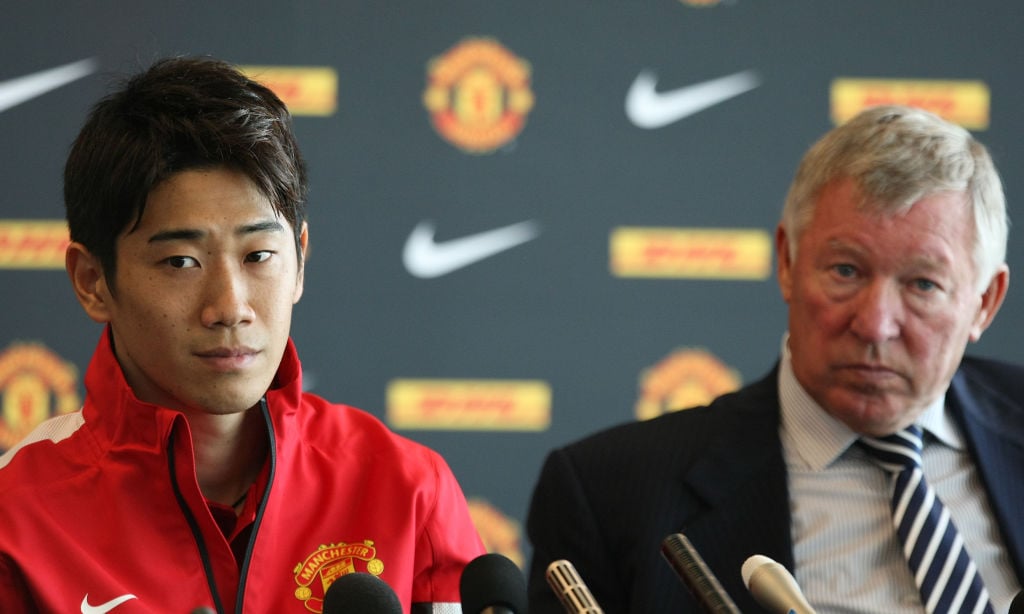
(35, 384)
(497, 530)
(328, 563)
(686, 378)
(478, 94)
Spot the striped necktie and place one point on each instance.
(944, 572)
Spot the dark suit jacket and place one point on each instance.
(717, 475)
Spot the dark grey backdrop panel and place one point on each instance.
(547, 310)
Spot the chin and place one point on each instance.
(871, 417)
(223, 405)
(881, 425)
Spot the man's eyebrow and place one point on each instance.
(192, 234)
(264, 226)
(177, 235)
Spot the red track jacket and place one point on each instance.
(100, 510)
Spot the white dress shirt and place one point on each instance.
(848, 557)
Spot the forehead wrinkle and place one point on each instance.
(844, 246)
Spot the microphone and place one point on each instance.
(492, 584)
(359, 592)
(1017, 605)
(773, 586)
(571, 591)
(696, 575)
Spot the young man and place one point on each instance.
(891, 258)
(198, 474)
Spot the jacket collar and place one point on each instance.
(114, 414)
(988, 420)
(742, 483)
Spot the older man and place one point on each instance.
(891, 257)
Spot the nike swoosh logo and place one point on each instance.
(104, 607)
(425, 258)
(21, 89)
(648, 108)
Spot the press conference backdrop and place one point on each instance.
(529, 220)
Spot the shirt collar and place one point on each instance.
(937, 421)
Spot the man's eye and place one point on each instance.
(925, 285)
(182, 262)
(260, 256)
(845, 270)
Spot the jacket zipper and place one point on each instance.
(193, 524)
(244, 572)
(204, 554)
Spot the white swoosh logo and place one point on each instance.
(647, 108)
(103, 608)
(425, 258)
(21, 89)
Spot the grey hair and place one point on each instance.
(896, 156)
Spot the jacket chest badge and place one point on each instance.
(328, 563)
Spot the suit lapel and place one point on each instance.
(997, 445)
(742, 483)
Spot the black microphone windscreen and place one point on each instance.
(695, 574)
(1017, 605)
(361, 593)
(492, 581)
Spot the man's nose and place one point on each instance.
(878, 312)
(227, 300)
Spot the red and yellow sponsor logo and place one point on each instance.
(701, 3)
(961, 102)
(685, 378)
(33, 244)
(35, 384)
(478, 95)
(328, 563)
(497, 531)
(690, 252)
(482, 405)
(305, 90)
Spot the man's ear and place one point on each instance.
(784, 267)
(88, 282)
(991, 301)
(303, 253)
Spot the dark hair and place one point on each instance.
(180, 114)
